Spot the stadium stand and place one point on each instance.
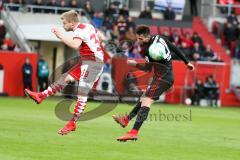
(6, 42)
(117, 23)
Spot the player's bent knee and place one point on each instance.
(82, 98)
(84, 88)
(147, 102)
(69, 79)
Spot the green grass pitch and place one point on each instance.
(29, 132)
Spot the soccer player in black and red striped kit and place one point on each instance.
(162, 79)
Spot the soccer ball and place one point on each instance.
(157, 51)
(188, 101)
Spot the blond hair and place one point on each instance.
(70, 16)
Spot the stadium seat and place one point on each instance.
(237, 10)
(176, 29)
(154, 30)
(163, 29)
(215, 27)
(223, 39)
(187, 30)
(224, 2)
(232, 48)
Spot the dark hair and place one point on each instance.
(142, 29)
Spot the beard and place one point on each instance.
(67, 29)
(143, 44)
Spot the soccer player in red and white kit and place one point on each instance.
(87, 40)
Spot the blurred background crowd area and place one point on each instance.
(117, 25)
(207, 31)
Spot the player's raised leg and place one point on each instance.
(163, 74)
(124, 120)
(80, 106)
(57, 86)
(78, 110)
(141, 117)
(155, 89)
(90, 73)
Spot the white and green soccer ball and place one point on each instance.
(157, 51)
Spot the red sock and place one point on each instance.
(134, 131)
(51, 90)
(79, 108)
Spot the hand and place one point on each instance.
(57, 32)
(190, 66)
(131, 63)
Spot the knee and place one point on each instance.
(171, 81)
(82, 98)
(69, 79)
(147, 102)
(83, 88)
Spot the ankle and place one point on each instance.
(134, 131)
(73, 121)
(42, 95)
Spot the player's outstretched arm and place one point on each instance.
(144, 67)
(190, 66)
(180, 54)
(101, 36)
(103, 41)
(73, 43)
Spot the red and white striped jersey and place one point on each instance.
(90, 48)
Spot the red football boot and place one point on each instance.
(131, 135)
(37, 97)
(69, 127)
(122, 120)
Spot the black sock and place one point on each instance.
(142, 116)
(135, 110)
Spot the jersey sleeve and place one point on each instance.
(77, 34)
(96, 30)
(177, 51)
(147, 67)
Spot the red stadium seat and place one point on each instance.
(154, 30)
(223, 39)
(176, 29)
(163, 29)
(187, 30)
(224, 2)
(215, 27)
(232, 48)
(237, 10)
